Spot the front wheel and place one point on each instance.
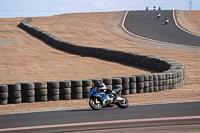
(123, 104)
(94, 103)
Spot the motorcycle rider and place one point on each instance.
(158, 15)
(166, 20)
(101, 87)
(154, 7)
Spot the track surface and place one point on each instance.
(146, 24)
(108, 114)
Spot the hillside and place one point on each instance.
(24, 58)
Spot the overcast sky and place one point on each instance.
(33, 8)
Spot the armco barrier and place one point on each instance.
(171, 74)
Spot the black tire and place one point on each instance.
(132, 79)
(40, 85)
(116, 81)
(146, 90)
(86, 89)
(139, 78)
(93, 105)
(86, 94)
(64, 91)
(27, 86)
(87, 82)
(65, 97)
(14, 94)
(41, 92)
(65, 84)
(151, 89)
(125, 92)
(4, 95)
(124, 80)
(28, 99)
(150, 77)
(77, 96)
(53, 85)
(15, 100)
(132, 91)
(28, 93)
(53, 92)
(76, 83)
(14, 87)
(3, 102)
(107, 81)
(41, 98)
(155, 88)
(132, 85)
(76, 90)
(53, 98)
(146, 77)
(3, 88)
(124, 104)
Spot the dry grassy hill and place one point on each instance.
(24, 58)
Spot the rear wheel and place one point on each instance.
(122, 104)
(95, 103)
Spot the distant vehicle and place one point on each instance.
(147, 8)
(154, 7)
(159, 8)
(158, 15)
(166, 21)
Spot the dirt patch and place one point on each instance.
(29, 59)
(189, 20)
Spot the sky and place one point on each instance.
(37, 8)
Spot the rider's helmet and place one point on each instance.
(96, 83)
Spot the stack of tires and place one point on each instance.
(87, 84)
(140, 83)
(14, 93)
(151, 84)
(28, 92)
(76, 88)
(125, 85)
(40, 91)
(132, 85)
(117, 83)
(3, 94)
(155, 82)
(65, 90)
(108, 82)
(146, 83)
(53, 90)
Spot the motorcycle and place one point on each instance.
(101, 100)
(166, 21)
(158, 15)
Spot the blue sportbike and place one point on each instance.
(100, 100)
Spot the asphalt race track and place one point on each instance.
(146, 24)
(164, 116)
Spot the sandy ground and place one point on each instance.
(24, 58)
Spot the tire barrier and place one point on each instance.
(53, 91)
(132, 85)
(76, 86)
(3, 94)
(41, 91)
(171, 74)
(65, 90)
(117, 83)
(108, 82)
(14, 93)
(28, 92)
(87, 84)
